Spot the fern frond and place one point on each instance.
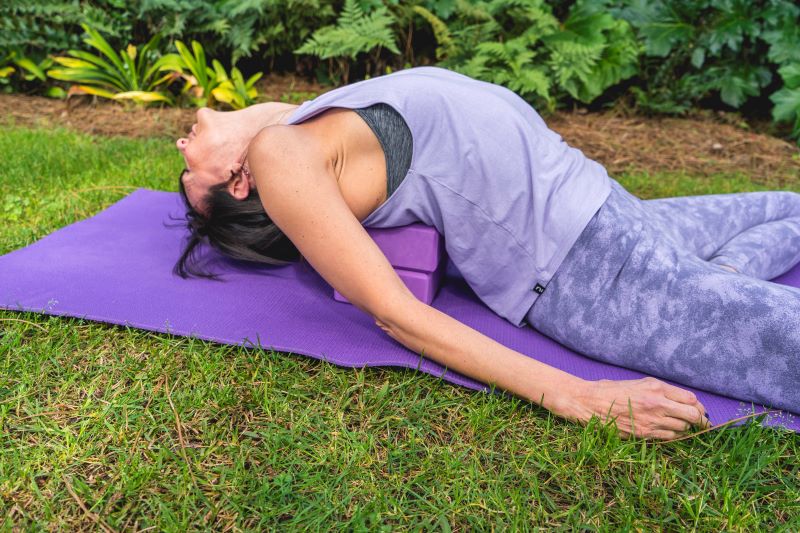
(353, 33)
(446, 45)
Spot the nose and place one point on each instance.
(180, 144)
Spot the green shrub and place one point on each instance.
(700, 48)
(128, 74)
(234, 90)
(787, 100)
(355, 32)
(674, 54)
(203, 85)
(18, 72)
(262, 29)
(522, 45)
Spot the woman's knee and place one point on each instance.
(791, 200)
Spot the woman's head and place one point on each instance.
(222, 202)
(214, 153)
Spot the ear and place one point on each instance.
(242, 182)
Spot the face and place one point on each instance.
(213, 151)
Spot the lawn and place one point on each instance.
(106, 427)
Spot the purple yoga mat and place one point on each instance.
(116, 267)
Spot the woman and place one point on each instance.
(673, 287)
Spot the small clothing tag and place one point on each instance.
(538, 288)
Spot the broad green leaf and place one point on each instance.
(791, 75)
(95, 90)
(219, 70)
(660, 36)
(698, 57)
(787, 104)
(31, 67)
(171, 62)
(734, 89)
(71, 62)
(97, 61)
(55, 92)
(143, 96)
(97, 41)
(225, 93)
(77, 75)
(253, 79)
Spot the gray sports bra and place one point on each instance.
(395, 138)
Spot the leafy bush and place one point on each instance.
(234, 90)
(787, 100)
(263, 29)
(522, 45)
(37, 28)
(700, 48)
(203, 84)
(128, 74)
(355, 32)
(28, 73)
(675, 54)
(200, 79)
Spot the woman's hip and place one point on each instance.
(628, 295)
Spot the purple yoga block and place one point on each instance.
(416, 252)
(415, 246)
(423, 285)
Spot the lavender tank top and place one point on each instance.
(508, 195)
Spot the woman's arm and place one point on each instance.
(300, 194)
(660, 410)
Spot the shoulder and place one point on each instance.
(274, 141)
(280, 150)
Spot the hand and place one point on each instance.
(646, 408)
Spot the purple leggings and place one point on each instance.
(644, 288)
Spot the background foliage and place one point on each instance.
(664, 56)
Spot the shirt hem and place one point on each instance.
(558, 258)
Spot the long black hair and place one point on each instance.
(240, 229)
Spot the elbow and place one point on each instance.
(392, 329)
(383, 325)
(394, 314)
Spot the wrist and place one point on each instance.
(574, 404)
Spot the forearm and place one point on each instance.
(439, 337)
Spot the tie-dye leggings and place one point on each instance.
(644, 288)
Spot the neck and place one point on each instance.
(271, 113)
(250, 120)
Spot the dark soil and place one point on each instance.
(702, 145)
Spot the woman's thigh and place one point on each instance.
(628, 296)
(704, 223)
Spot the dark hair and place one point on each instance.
(240, 229)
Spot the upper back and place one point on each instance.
(506, 192)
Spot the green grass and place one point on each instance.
(110, 427)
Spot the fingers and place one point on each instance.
(679, 395)
(663, 434)
(686, 413)
(697, 413)
(677, 425)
